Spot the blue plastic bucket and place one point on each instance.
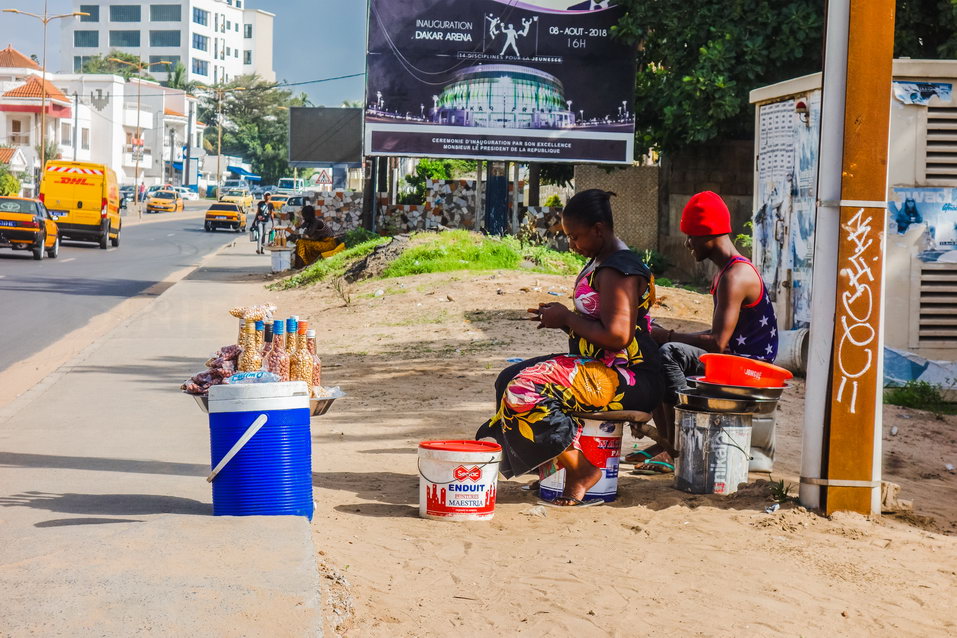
(271, 475)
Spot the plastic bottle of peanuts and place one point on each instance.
(316, 361)
(250, 360)
(278, 361)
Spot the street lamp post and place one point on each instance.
(139, 66)
(46, 18)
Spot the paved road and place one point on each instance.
(44, 300)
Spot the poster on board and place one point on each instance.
(529, 80)
(933, 209)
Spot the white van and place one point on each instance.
(290, 185)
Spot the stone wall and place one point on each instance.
(448, 204)
(341, 210)
(546, 226)
(635, 206)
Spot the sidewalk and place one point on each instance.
(105, 516)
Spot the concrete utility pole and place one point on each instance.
(45, 19)
(841, 464)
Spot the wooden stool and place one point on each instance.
(638, 421)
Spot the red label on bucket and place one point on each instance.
(461, 473)
(457, 498)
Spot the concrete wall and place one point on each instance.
(726, 168)
(635, 206)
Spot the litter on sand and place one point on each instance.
(514, 360)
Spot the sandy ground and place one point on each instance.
(418, 362)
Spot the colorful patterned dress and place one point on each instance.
(537, 396)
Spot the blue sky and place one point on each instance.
(313, 39)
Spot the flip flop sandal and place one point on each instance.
(650, 468)
(639, 456)
(574, 502)
(531, 487)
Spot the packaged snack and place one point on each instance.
(260, 376)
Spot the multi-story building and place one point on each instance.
(98, 118)
(215, 40)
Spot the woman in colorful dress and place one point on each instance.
(612, 362)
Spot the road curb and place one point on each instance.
(145, 299)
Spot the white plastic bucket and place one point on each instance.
(458, 480)
(600, 441)
(281, 259)
(714, 451)
(792, 350)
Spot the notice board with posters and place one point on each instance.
(530, 80)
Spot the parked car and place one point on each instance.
(84, 200)
(188, 194)
(225, 215)
(278, 201)
(26, 224)
(164, 201)
(240, 196)
(127, 194)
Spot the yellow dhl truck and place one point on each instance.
(84, 199)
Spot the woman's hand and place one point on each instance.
(551, 315)
(660, 335)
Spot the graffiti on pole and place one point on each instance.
(858, 303)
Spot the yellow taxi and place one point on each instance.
(278, 201)
(164, 202)
(240, 196)
(225, 215)
(26, 224)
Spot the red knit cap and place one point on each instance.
(705, 214)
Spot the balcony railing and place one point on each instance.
(19, 139)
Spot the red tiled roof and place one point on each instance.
(34, 88)
(10, 58)
(174, 113)
(6, 155)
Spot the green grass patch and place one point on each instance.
(920, 395)
(335, 266)
(463, 250)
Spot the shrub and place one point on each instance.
(553, 201)
(919, 395)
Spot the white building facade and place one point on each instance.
(215, 40)
(99, 118)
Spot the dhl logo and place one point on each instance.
(75, 181)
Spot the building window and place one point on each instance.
(201, 17)
(79, 61)
(236, 27)
(247, 57)
(85, 139)
(164, 38)
(155, 61)
(236, 53)
(228, 51)
(200, 67)
(229, 25)
(18, 133)
(200, 42)
(124, 38)
(166, 13)
(86, 39)
(239, 4)
(125, 13)
(93, 10)
(247, 30)
(66, 133)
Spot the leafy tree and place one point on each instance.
(926, 29)
(102, 64)
(697, 62)
(254, 123)
(9, 184)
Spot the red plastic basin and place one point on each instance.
(729, 369)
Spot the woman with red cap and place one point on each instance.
(743, 322)
(612, 362)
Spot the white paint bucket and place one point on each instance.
(762, 442)
(714, 451)
(601, 441)
(281, 259)
(792, 350)
(458, 479)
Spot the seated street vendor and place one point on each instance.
(313, 237)
(743, 322)
(611, 363)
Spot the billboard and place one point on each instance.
(529, 80)
(322, 136)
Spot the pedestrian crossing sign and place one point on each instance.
(324, 177)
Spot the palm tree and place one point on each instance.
(177, 79)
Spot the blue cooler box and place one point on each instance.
(271, 475)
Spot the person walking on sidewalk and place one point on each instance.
(261, 220)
